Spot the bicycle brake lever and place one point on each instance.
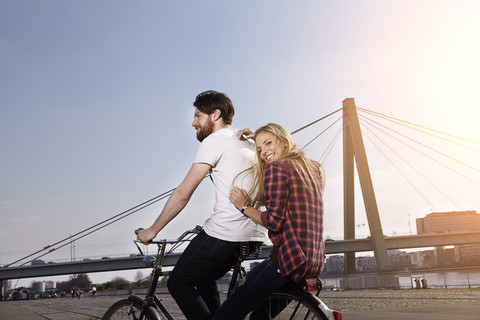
(136, 243)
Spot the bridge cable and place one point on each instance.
(329, 148)
(100, 227)
(318, 135)
(422, 144)
(400, 172)
(312, 123)
(424, 154)
(411, 166)
(123, 214)
(430, 134)
(447, 134)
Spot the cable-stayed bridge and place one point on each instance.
(354, 155)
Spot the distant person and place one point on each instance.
(210, 254)
(290, 186)
(94, 291)
(73, 292)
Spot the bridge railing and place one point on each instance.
(332, 247)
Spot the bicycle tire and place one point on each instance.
(127, 309)
(288, 303)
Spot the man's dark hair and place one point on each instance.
(208, 101)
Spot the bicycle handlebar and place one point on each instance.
(195, 230)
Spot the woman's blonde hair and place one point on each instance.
(296, 157)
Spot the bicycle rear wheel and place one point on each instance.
(289, 304)
(127, 309)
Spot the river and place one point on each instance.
(438, 278)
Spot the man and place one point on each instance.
(212, 253)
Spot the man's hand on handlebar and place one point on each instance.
(145, 236)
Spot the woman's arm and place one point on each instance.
(245, 134)
(240, 200)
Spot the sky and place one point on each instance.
(96, 107)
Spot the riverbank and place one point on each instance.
(354, 304)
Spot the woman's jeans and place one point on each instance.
(192, 282)
(261, 282)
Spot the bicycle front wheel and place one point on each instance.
(289, 304)
(127, 309)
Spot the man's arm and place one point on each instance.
(176, 202)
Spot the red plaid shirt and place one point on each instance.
(294, 219)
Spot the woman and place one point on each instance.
(290, 186)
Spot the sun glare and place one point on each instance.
(460, 82)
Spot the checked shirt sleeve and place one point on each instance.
(281, 229)
(294, 219)
(276, 194)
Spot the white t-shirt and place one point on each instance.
(229, 156)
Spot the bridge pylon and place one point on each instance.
(354, 152)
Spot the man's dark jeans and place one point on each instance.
(192, 282)
(261, 282)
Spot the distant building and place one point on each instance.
(50, 286)
(399, 259)
(468, 254)
(455, 221)
(333, 264)
(435, 222)
(38, 287)
(365, 264)
(5, 289)
(418, 258)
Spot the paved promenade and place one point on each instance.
(408, 304)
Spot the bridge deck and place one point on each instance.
(332, 247)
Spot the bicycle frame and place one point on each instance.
(151, 299)
(151, 306)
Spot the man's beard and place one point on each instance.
(205, 131)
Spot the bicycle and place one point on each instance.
(288, 302)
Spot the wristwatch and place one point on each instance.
(244, 208)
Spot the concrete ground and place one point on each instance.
(408, 304)
(426, 304)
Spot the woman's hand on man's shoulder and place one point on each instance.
(245, 134)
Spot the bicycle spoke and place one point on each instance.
(129, 310)
(293, 305)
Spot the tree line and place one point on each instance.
(83, 282)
